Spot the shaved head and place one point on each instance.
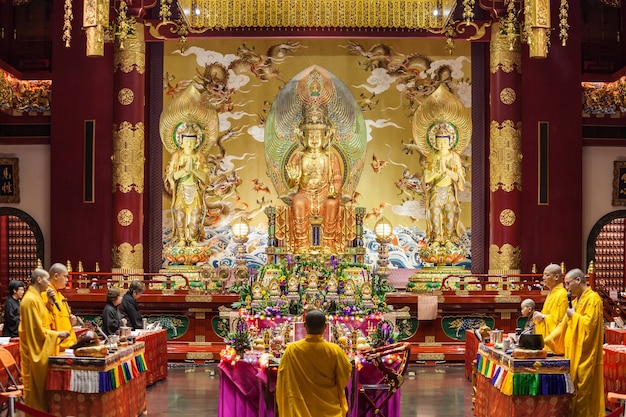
(315, 322)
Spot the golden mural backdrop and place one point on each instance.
(389, 79)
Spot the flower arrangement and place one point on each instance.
(240, 339)
(384, 334)
(283, 300)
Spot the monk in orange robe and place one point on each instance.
(581, 332)
(37, 341)
(555, 305)
(62, 317)
(313, 374)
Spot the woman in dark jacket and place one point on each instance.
(111, 317)
(129, 308)
(12, 309)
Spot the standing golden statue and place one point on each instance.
(442, 129)
(315, 139)
(444, 177)
(189, 130)
(186, 179)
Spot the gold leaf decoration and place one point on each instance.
(505, 156)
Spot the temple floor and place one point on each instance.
(430, 391)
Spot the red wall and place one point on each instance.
(82, 90)
(552, 93)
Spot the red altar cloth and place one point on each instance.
(471, 348)
(156, 354)
(244, 391)
(76, 386)
(614, 370)
(615, 336)
(493, 401)
(490, 402)
(240, 394)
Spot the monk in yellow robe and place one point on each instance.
(313, 374)
(555, 305)
(582, 333)
(37, 341)
(62, 317)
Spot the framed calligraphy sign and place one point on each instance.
(619, 183)
(9, 180)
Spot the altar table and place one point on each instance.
(471, 349)
(156, 354)
(248, 391)
(615, 336)
(113, 386)
(614, 370)
(520, 387)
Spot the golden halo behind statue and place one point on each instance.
(442, 114)
(189, 111)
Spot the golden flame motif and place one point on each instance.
(128, 157)
(505, 259)
(127, 256)
(505, 156)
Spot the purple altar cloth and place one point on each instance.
(369, 374)
(239, 390)
(244, 391)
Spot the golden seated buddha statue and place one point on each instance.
(315, 139)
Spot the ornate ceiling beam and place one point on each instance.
(224, 14)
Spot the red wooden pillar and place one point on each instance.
(128, 150)
(505, 153)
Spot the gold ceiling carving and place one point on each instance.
(407, 14)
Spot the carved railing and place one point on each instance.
(491, 284)
(168, 283)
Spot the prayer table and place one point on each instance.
(511, 387)
(155, 354)
(614, 370)
(246, 390)
(112, 386)
(615, 336)
(471, 349)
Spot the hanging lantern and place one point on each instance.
(95, 21)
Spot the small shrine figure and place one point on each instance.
(312, 292)
(366, 294)
(257, 293)
(348, 290)
(312, 281)
(274, 289)
(293, 287)
(331, 288)
(267, 336)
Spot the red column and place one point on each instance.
(128, 150)
(505, 154)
